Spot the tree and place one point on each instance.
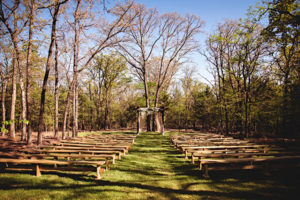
(159, 40)
(4, 75)
(283, 31)
(56, 8)
(236, 52)
(106, 37)
(141, 39)
(111, 68)
(10, 17)
(31, 6)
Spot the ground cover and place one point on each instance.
(153, 169)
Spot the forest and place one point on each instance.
(84, 65)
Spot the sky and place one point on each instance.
(211, 12)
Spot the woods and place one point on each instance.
(74, 65)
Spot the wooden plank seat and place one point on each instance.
(116, 154)
(93, 142)
(129, 139)
(204, 139)
(115, 149)
(211, 143)
(75, 144)
(42, 162)
(252, 160)
(191, 149)
(102, 139)
(107, 141)
(206, 155)
(86, 138)
(67, 157)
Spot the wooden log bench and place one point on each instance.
(109, 159)
(235, 148)
(92, 142)
(178, 145)
(111, 155)
(41, 164)
(94, 146)
(122, 151)
(245, 154)
(266, 160)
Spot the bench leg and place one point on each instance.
(266, 169)
(98, 173)
(186, 155)
(206, 171)
(106, 164)
(37, 170)
(193, 159)
(55, 165)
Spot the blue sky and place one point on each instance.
(211, 11)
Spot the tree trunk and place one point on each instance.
(106, 111)
(56, 96)
(3, 103)
(13, 96)
(23, 100)
(75, 110)
(155, 125)
(147, 100)
(285, 111)
(91, 108)
(66, 112)
(46, 76)
(28, 73)
(75, 68)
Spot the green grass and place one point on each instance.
(153, 169)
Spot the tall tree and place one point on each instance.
(112, 69)
(141, 39)
(176, 43)
(31, 6)
(77, 26)
(172, 38)
(106, 37)
(4, 75)
(56, 8)
(56, 95)
(10, 17)
(283, 30)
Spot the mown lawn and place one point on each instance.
(152, 170)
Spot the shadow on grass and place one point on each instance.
(147, 160)
(91, 186)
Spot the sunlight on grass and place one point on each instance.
(153, 169)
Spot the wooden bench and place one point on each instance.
(266, 160)
(208, 155)
(56, 156)
(115, 154)
(94, 146)
(178, 145)
(236, 148)
(44, 163)
(78, 148)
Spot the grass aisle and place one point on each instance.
(153, 169)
